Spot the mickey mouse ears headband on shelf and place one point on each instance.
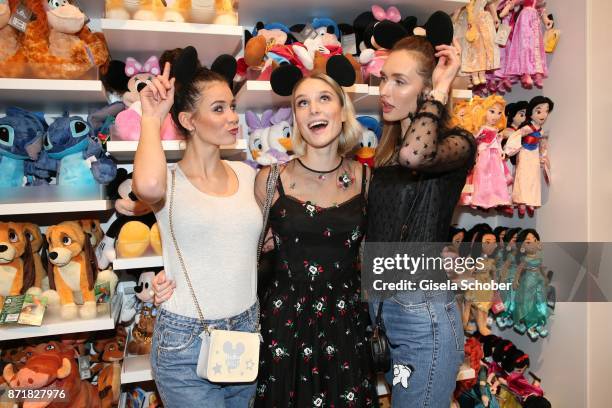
(187, 64)
(437, 30)
(285, 77)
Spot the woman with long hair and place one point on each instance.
(421, 167)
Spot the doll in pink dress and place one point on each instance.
(528, 145)
(525, 56)
(491, 176)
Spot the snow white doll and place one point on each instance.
(531, 285)
(528, 144)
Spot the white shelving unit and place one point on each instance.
(150, 261)
(136, 369)
(258, 96)
(140, 39)
(45, 94)
(125, 150)
(53, 324)
(44, 206)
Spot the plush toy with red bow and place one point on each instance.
(130, 78)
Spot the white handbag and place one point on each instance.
(227, 356)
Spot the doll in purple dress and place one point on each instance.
(525, 56)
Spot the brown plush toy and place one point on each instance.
(12, 58)
(57, 43)
(39, 254)
(72, 269)
(16, 262)
(109, 354)
(92, 227)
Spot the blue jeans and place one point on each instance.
(426, 340)
(174, 358)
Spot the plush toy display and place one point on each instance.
(54, 366)
(21, 138)
(72, 269)
(39, 254)
(108, 353)
(17, 273)
(12, 57)
(142, 333)
(57, 43)
(93, 229)
(132, 77)
(72, 152)
(270, 136)
(196, 11)
(133, 230)
(372, 131)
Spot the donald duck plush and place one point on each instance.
(369, 140)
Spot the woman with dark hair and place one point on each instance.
(421, 167)
(205, 197)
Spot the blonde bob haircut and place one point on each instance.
(351, 129)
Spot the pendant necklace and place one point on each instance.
(321, 173)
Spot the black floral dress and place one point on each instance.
(313, 321)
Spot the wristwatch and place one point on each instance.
(440, 96)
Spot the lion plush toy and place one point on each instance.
(72, 269)
(57, 43)
(16, 262)
(12, 58)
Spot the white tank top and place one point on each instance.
(218, 239)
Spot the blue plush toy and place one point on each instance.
(21, 135)
(73, 152)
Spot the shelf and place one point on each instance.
(49, 94)
(53, 324)
(151, 261)
(136, 369)
(343, 11)
(258, 96)
(141, 39)
(52, 199)
(124, 150)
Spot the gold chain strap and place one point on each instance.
(270, 189)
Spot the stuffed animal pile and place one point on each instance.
(196, 11)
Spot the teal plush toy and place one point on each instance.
(21, 135)
(72, 151)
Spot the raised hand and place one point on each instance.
(448, 66)
(158, 96)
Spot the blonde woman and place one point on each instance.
(313, 322)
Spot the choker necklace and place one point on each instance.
(319, 172)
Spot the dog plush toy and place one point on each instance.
(71, 151)
(39, 254)
(93, 229)
(12, 58)
(57, 42)
(16, 262)
(21, 135)
(53, 366)
(72, 269)
(109, 354)
(145, 320)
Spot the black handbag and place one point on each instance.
(379, 344)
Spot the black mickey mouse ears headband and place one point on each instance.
(285, 77)
(187, 64)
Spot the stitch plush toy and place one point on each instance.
(39, 254)
(270, 136)
(72, 269)
(372, 131)
(57, 43)
(74, 154)
(16, 262)
(21, 134)
(12, 57)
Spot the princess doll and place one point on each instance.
(515, 116)
(531, 286)
(515, 364)
(507, 273)
(526, 57)
(477, 302)
(471, 112)
(491, 176)
(508, 11)
(527, 144)
(481, 52)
